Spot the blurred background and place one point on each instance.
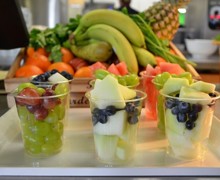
(194, 19)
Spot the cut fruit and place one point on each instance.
(173, 124)
(173, 85)
(203, 86)
(127, 93)
(57, 77)
(203, 123)
(194, 96)
(105, 146)
(107, 92)
(114, 126)
(124, 150)
(130, 133)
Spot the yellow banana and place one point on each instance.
(144, 57)
(117, 40)
(93, 51)
(116, 19)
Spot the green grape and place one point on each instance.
(186, 75)
(40, 90)
(51, 117)
(33, 149)
(122, 80)
(62, 88)
(25, 85)
(41, 128)
(132, 79)
(22, 112)
(52, 148)
(60, 111)
(34, 139)
(57, 127)
(101, 73)
(160, 79)
(52, 137)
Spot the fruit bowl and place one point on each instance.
(200, 48)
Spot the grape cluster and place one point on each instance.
(185, 112)
(44, 77)
(101, 115)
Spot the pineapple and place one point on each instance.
(164, 17)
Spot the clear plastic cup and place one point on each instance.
(115, 129)
(187, 125)
(152, 94)
(42, 112)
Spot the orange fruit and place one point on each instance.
(28, 71)
(67, 55)
(84, 72)
(31, 51)
(61, 66)
(38, 60)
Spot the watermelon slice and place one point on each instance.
(97, 65)
(122, 68)
(113, 69)
(171, 68)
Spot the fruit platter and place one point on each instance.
(81, 47)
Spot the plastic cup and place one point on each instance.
(115, 129)
(152, 94)
(42, 119)
(187, 131)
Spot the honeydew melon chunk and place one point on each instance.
(194, 96)
(114, 126)
(130, 133)
(105, 146)
(173, 85)
(127, 92)
(203, 123)
(107, 92)
(203, 86)
(182, 145)
(124, 150)
(57, 77)
(173, 124)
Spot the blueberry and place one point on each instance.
(47, 74)
(169, 103)
(175, 110)
(184, 107)
(110, 110)
(190, 124)
(212, 94)
(66, 75)
(193, 116)
(53, 71)
(181, 117)
(130, 107)
(94, 119)
(133, 119)
(196, 107)
(103, 118)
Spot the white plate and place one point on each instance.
(78, 156)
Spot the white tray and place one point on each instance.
(78, 156)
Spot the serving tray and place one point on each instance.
(78, 155)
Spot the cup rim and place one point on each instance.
(143, 96)
(192, 99)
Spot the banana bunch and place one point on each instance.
(120, 32)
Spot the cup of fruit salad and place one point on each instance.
(42, 111)
(188, 112)
(115, 111)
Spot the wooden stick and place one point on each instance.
(189, 67)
